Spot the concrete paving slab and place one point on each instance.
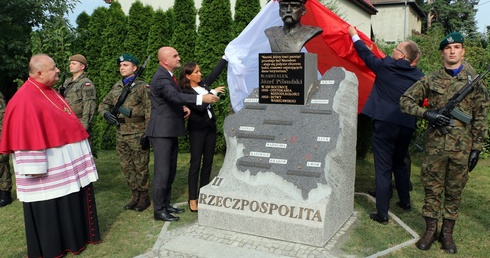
(195, 241)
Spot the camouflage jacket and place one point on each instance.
(439, 87)
(138, 102)
(80, 94)
(3, 104)
(2, 110)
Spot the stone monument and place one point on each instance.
(289, 169)
(292, 36)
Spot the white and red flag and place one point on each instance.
(334, 48)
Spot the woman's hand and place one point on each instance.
(220, 89)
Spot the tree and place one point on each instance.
(57, 8)
(452, 15)
(428, 44)
(55, 39)
(55, 36)
(81, 33)
(213, 37)
(94, 43)
(214, 33)
(138, 30)
(113, 38)
(184, 36)
(160, 35)
(245, 11)
(18, 18)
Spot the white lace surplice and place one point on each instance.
(66, 168)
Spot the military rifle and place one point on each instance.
(62, 86)
(118, 108)
(450, 109)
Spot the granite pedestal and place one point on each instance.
(289, 170)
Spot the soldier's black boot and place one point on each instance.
(144, 202)
(5, 198)
(134, 200)
(446, 236)
(430, 235)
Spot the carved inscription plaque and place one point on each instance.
(282, 78)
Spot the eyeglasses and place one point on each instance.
(399, 50)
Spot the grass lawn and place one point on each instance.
(130, 233)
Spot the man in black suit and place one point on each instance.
(392, 129)
(166, 124)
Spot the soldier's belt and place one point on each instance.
(137, 119)
(457, 123)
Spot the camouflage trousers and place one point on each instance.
(5, 175)
(444, 174)
(134, 161)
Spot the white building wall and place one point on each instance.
(414, 23)
(358, 17)
(394, 23)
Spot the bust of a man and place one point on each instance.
(292, 36)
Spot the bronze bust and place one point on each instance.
(293, 35)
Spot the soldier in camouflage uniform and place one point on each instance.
(79, 91)
(131, 121)
(5, 175)
(450, 157)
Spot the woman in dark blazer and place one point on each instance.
(201, 126)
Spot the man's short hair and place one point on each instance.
(412, 51)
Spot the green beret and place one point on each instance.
(453, 37)
(127, 57)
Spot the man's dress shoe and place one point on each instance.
(165, 216)
(405, 207)
(176, 210)
(376, 217)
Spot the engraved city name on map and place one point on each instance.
(289, 170)
(279, 138)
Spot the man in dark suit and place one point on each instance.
(392, 129)
(165, 125)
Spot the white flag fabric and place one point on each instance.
(334, 48)
(243, 54)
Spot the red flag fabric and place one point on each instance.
(335, 48)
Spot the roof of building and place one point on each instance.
(412, 3)
(366, 5)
